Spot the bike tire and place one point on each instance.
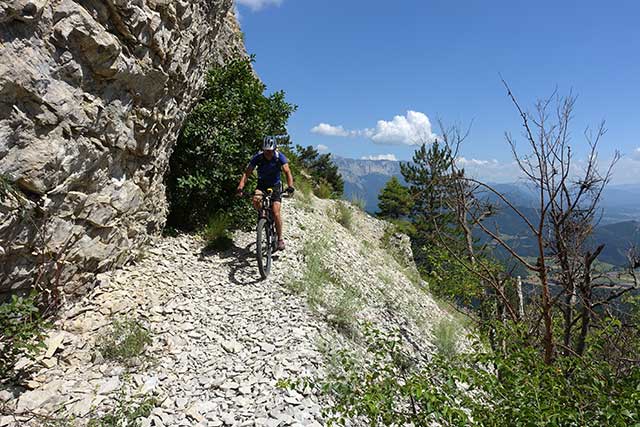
(263, 247)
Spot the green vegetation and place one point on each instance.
(218, 138)
(216, 232)
(324, 172)
(324, 291)
(316, 275)
(395, 201)
(124, 342)
(343, 215)
(445, 334)
(127, 412)
(341, 312)
(359, 202)
(21, 332)
(387, 386)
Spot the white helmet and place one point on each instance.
(269, 143)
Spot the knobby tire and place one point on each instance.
(263, 250)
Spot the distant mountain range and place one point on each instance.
(619, 225)
(363, 179)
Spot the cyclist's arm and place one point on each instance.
(287, 172)
(245, 176)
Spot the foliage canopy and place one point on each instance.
(216, 142)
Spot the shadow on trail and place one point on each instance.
(239, 260)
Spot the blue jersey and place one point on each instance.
(268, 170)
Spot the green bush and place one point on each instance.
(358, 201)
(322, 169)
(323, 190)
(316, 275)
(125, 341)
(21, 332)
(216, 142)
(341, 313)
(445, 334)
(386, 386)
(216, 232)
(344, 215)
(127, 413)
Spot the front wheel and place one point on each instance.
(263, 247)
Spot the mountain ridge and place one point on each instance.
(620, 204)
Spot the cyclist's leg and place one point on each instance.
(278, 218)
(257, 199)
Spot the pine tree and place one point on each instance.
(394, 200)
(429, 185)
(322, 168)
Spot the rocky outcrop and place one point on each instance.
(92, 96)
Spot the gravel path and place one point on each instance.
(221, 341)
(222, 338)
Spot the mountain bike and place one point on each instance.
(266, 234)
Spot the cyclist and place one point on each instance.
(269, 162)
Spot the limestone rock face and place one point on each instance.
(92, 96)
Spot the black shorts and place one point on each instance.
(276, 196)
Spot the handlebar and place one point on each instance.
(283, 194)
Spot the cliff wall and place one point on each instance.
(92, 96)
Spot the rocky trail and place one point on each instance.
(221, 338)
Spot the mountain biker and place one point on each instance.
(269, 162)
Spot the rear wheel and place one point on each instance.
(263, 247)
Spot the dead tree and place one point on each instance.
(566, 210)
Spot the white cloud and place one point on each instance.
(256, 5)
(627, 170)
(321, 147)
(414, 128)
(464, 162)
(489, 170)
(381, 157)
(329, 130)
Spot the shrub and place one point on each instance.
(387, 386)
(216, 232)
(358, 201)
(21, 331)
(324, 291)
(127, 413)
(445, 334)
(124, 342)
(323, 190)
(216, 142)
(341, 314)
(316, 276)
(344, 215)
(322, 169)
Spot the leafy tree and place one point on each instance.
(394, 200)
(216, 142)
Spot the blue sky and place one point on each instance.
(370, 76)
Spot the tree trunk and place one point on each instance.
(520, 299)
(568, 310)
